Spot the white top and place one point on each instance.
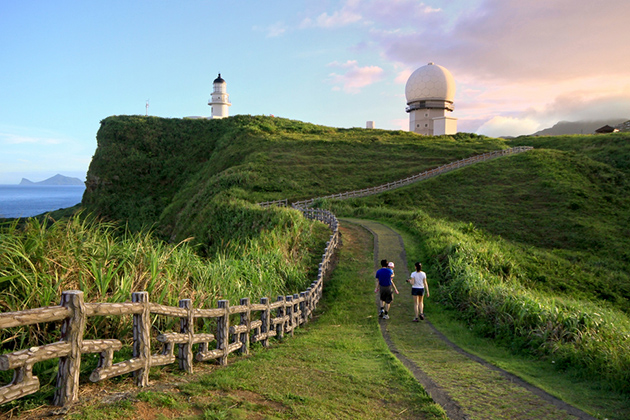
(430, 82)
(418, 279)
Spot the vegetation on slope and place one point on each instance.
(178, 173)
(39, 260)
(533, 251)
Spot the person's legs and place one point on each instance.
(416, 302)
(421, 306)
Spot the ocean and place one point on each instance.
(31, 200)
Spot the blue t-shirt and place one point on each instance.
(384, 276)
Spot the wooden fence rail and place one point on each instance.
(257, 322)
(280, 203)
(415, 178)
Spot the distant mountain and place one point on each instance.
(55, 180)
(578, 127)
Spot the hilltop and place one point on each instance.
(526, 247)
(187, 176)
(528, 251)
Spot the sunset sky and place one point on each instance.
(520, 66)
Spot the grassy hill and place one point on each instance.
(567, 199)
(530, 249)
(181, 174)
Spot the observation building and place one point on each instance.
(430, 91)
(220, 100)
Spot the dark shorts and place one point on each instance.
(386, 294)
(416, 291)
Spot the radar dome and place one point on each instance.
(430, 82)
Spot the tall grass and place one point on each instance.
(40, 259)
(481, 276)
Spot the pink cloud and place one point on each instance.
(355, 77)
(516, 40)
(372, 12)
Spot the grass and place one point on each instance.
(177, 174)
(337, 366)
(532, 250)
(478, 277)
(590, 393)
(40, 259)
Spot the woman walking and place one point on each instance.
(419, 286)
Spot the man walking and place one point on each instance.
(384, 283)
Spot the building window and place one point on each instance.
(426, 115)
(426, 125)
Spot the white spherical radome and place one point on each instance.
(430, 82)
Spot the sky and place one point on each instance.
(519, 66)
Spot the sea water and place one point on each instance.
(31, 200)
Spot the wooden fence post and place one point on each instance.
(266, 321)
(223, 331)
(245, 320)
(186, 326)
(296, 311)
(289, 314)
(280, 313)
(72, 329)
(142, 338)
(303, 308)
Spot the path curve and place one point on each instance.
(395, 248)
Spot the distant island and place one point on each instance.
(55, 180)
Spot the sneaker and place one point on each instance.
(385, 316)
(422, 316)
(381, 313)
(415, 320)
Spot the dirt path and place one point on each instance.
(466, 386)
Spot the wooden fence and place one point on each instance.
(415, 178)
(258, 322)
(279, 203)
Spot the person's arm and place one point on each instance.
(376, 287)
(426, 285)
(394, 284)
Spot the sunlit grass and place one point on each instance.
(40, 259)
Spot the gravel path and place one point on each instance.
(498, 395)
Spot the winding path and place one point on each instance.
(500, 394)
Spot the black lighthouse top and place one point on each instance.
(219, 79)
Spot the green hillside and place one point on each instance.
(531, 250)
(184, 174)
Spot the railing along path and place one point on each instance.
(414, 178)
(257, 322)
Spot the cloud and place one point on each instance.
(16, 139)
(347, 15)
(508, 126)
(576, 107)
(272, 31)
(377, 13)
(521, 41)
(355, 77)
(403, 76)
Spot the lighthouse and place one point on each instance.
(220, 100)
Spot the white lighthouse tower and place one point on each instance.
(220, 100)
(430, 91)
